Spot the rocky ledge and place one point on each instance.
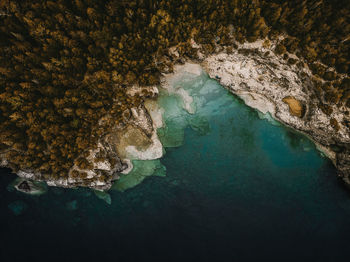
(30, 187)
(100, 167)
(272, 85)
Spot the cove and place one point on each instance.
(238, 187)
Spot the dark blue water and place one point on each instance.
(245, 190)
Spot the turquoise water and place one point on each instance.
(237, 188)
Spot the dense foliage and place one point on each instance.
(64, 64)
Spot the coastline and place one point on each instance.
(261, 81)
(250, 78)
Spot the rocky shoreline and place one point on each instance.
(112, 158)
(264, 81)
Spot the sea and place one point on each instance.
(238, 187)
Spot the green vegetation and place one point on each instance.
(65, 64)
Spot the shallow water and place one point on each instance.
(238, 189)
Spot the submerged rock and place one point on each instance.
(104, 196)
(29, 187)
(269, 118)
(18, 207)
(200, 125)
(141, 170)
(72, 205)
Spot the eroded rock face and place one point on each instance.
(296, 108)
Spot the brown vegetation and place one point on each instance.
(296, 108)
(64, 64)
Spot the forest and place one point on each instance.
(65, 64)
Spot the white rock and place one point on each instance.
(129, 168)
(155, 112)
(154, 151)
(27, 175)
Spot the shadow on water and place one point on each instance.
(247, 138)
(294, 138)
